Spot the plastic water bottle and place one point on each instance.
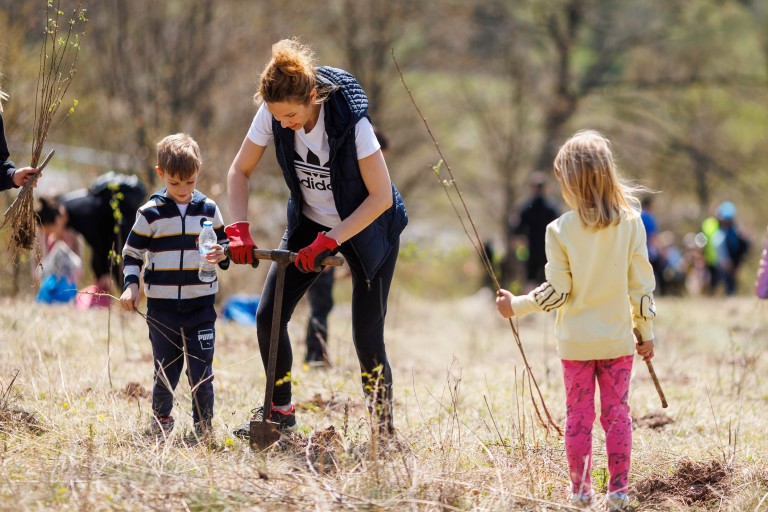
(207, 238)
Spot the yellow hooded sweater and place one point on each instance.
(600, 282)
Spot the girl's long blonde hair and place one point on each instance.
(590, 184)
(3, 97)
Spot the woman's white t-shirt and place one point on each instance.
(311, 161)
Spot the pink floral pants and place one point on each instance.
(612, 375)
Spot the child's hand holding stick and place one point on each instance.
(504, 303)
(646, 351)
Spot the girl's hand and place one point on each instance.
(216, 254)
(504, 303)
(645, 349)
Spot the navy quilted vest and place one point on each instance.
(343, 109)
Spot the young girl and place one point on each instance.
(601, 283)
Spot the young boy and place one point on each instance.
(164, 241)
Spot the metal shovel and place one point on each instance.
(264, 433)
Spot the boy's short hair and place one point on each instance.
(179, 156)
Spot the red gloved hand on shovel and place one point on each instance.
(309, 258)
(241, 244)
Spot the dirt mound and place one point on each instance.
(323, 448)
(14, 418)
(134, 390)
(653, 421)
(317, 402)
(692, 483)
(19, 419)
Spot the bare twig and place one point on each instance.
(652, 371)
(4, 397)
(496, 426)
(477, 243)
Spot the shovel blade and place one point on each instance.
(264, 434)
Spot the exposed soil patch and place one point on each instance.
(691, 483)
(323, 448)
(19, 419)
(653, 421)
(317, 402)
(133, 391)
(15, 418)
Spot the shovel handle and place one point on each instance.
(273, 254)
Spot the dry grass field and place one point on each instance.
(74, 407)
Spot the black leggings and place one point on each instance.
(320, 296)
(369, 308)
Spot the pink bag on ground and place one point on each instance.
(761, 285)
(92, 297)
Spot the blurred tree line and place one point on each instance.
(679, 87)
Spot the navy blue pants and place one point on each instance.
(369, 308)
(167, 351)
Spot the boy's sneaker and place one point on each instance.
(161, 426)
(582, 499)
(617, 501)
(203, 428)
(285, 421)
(201, 433)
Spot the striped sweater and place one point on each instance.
(164, 242)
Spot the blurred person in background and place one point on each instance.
(730, 246)
(533, 217)
(695, 264)
(761, 283)
(103, 214)
(673, 267)
(706, 240)
(651, 232)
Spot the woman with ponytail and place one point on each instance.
(341, 200)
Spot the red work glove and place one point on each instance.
(241, 244)
(308, 259)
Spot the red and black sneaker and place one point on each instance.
(161, 426)
(285, 420)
